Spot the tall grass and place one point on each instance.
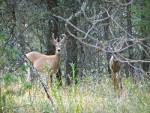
(87, 96)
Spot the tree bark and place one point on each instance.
(129, 31)
(106, 36)
(71, 49)
(144, 32)
(1, 95)
(50, 46)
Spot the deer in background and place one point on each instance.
(115, 69)
(47, 64)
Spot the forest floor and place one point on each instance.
(88, 96)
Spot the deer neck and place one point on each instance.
(57, 56)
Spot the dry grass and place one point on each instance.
(87, 97)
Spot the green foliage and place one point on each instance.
(86, 97)
(73, 69)
(8, 103)
(12, 51)
(141, 10)
(27, 85)
(2, 36)
(9, 57)
(9, 78)
(3, 61)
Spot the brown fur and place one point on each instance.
(115, 68)
(47, 64)
(41, 61)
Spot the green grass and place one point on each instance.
(86, 97)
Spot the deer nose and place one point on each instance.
(58, 50)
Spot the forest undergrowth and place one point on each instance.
(88, 96)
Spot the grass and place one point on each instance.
(86, 97)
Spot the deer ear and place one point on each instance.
(63, 37)
(54, 41)
(53, 36)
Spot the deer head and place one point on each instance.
(58, 42)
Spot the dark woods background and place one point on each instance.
(95, 29)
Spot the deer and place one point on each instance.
(115, 69)
(47, 64)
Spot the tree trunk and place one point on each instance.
(106, 36)
(128, 68)
(1, 95)
(81, 56)
(144, 32)
(71, 59)
(71, 49)
(50, 46)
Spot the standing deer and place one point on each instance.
(115, 69)
(47, 64)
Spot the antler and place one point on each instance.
(63, 37)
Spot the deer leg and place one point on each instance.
(116, 81)
(119, 84)
(58, 76)
(28, 74)
(50, 79)
(49, 82)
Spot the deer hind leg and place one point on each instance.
(115, 81)
(118, 84)
(50, 79)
